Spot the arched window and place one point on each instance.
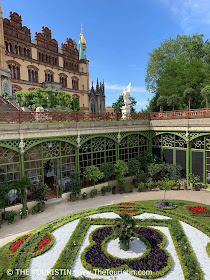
(82, 69)
(35, 77)
(46, 58)
(55, 61)
(52, 79)
(67, 65)
(48, 78)
(45, 77)
(24, 52)
(49, 58)
(28, 52)
(42, 57)
(19, 50)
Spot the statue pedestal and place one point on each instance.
(126, 112)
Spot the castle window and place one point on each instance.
(6, 46)
(19, 50)
(74, 83)
(55, 61)
(83, 87)
(24, 52)
(17, 73)
(6, 87)
(13, 72)
(9, 47)
(29, 75)
(36, 77)
(82, 69)
(15, 49)
(39, 56)
(42, 57)
(28, 52)
(46, 58)
(33, 74)
(45, 77)
(49, 59)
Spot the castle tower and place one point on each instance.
(5, 75)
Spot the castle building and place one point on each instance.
(26, 64)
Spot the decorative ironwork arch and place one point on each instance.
(180, 134)
(96, 136)
(48, 140)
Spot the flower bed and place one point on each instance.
(128, 211)
(65, 259)
(155, 259)
(16, 245)
(43, 243)
(126, 204)
(202, 211)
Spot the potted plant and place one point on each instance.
(103, 190)
(124, 229)
(84, 195)
(23, 213)
(195, 181)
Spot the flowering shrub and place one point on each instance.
(43, 243)
(165, 204)
(198, 209)
(16, 245)
(126, 204)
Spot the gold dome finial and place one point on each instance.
(82, 39)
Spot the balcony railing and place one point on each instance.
(40, 117)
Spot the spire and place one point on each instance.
(81, 52)
(81, 29)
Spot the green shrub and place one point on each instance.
(103, 190)
(10, 216)
(150, 185)
(84, 195)
(140, 186)
(130, 188)
(161, 184)
(108, 189)
(171, 183)
(35, 209)
(93, 193)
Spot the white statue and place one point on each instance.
(126, 94)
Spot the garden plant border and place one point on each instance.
(21, 259)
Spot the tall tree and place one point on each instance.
(176, 65)
(205, 92)
(120, 102)
(189, 95)
(162, 102)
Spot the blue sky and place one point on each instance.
(119, 33)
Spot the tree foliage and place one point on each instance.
(178, 64)
(93, 174)
(205, 92)
(120, 103)
(108, 170)
(48, 99)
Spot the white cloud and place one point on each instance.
(191, 14)
(120, 87)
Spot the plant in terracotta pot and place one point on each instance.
(124, 229)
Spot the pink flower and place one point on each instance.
(185, 247)
(201, 225)
(74, 243)
(196, 273)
